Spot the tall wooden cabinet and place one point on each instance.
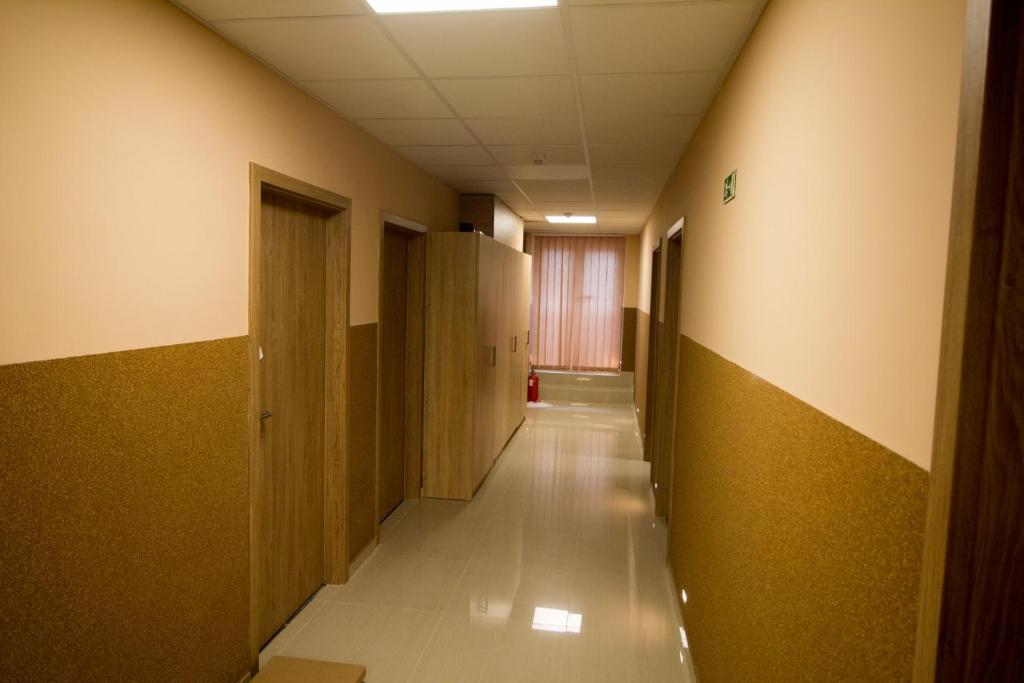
(476, 362)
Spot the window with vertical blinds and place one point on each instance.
(576, 322)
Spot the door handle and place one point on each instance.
(515, 343)
(265, 414)
(494, 356)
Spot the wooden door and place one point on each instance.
(451, 356)
(510, 314)
(489, 278)
(665, 381)
(504, 353)
(525, 289)
(414, 359)
(393, 322)
(288, 465)
(652, 358)
(971, 620)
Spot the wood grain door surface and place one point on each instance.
(288, 469)
(488, 303)
(394, 262)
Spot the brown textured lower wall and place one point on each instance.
(124, 516)
(629, 339)
(362, 437)
(797, 539)
(643, 322)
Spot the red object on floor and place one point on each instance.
(533, 387)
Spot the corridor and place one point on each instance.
(512, 341)
(554, 572)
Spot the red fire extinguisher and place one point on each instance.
(533, 387)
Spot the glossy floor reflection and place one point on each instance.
(554, 572)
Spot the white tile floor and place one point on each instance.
(554, 572)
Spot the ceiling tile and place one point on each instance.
(453, 173)
(321, 47)
(630, 172)
(564, 131)
(637, 200)
(557, 208)
(418, 131)
(635, 154)
(549, 171)
(214, 10)
(447, 155)
(509, 43)
(538, 96)
(641, 130)
(549, 198)
(484, 186)
(681, 36)
(575, 3)
(381, 99)
(543, 227)
(646, 94)
(632, 188)
(516, 200)
(631, 207)
(558, 155)
(555, 186)
(621, 216)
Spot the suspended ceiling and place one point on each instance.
(583, 108)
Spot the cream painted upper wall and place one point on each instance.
(127, 131)
(508, 226)
(825, 275)
(631, 271)
(648, 241)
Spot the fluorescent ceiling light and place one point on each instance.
(570, 218)
(415, 6)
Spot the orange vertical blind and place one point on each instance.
(576, 322)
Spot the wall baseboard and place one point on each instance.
(361, 558)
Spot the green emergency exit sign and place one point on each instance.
(729, 188)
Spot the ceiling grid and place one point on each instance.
(583, 108)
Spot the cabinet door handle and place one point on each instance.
(494, 356)
(515, 343)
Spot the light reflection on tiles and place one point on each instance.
(555, 571)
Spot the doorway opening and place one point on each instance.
(400, 360)
(298, 324)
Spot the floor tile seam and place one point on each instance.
(419, 554)
(649, 578)
(433, 631)
(302, 628)
(408, 508)
(636, 632)
(349, 603)
(444, 600)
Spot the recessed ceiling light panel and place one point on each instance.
(570, 218)
(418, 6)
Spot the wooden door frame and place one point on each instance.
(336, 549)
(966, 616)
(651, 398)
(411, 228)
(678, 236)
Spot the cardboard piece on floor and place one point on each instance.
(292, 670)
